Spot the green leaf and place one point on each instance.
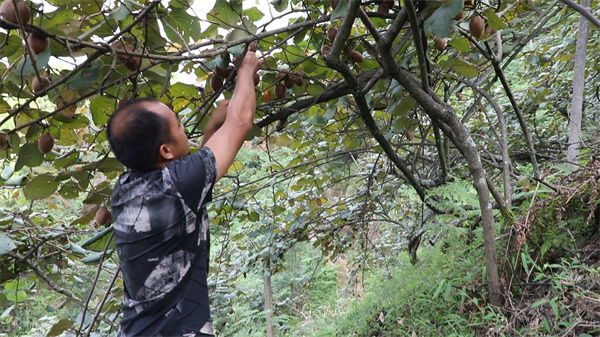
(101, 108)
(26, 67)
(95, 258)
(493, 20)
(66, 160)
(60, 327)
(29, 155)
(223, 13)
(123, 11)
(280, 5)
(404, 106)
(340, 10)
(87, 76)
(19, 296)
(98, 241)
(185, 24)
(440, 23)
(253, 14)
(462, 44)
(6, 244)
(463, 68)
(40, 187)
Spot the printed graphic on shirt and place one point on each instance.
(161, 231)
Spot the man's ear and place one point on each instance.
(165, 153)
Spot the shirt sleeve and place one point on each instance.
(194, 177)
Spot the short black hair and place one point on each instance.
(135, 134)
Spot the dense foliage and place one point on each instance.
(380, 125)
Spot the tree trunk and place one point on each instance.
(578, 89)
(268, 297)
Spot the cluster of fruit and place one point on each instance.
(476, 26)
(354, 55)
(17, 14)
(220, 74)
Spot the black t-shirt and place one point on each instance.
(162, 238)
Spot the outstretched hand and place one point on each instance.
(250, 64)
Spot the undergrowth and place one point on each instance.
(444, 295)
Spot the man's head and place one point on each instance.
(145, 135)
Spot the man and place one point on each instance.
(159, 212)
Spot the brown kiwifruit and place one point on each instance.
(440, 44)
(228, 70)
(383, 8)
(220, 72)
(282, 75)
(390, 3)
(356, 56)
(45, 143)
(288, 81)
(7, 10)
(325, 49)
(489, 30)
(476, 26)
(299, 81)
(131, 62)
(216, 83)
(40, 83)
(103, 216)
(331, 33)
(266, 96)
(38, 44)
(256, 79)
(459, 16)
(4, 141)
(279, 90)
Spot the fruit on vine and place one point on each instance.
(256, 79)
(281, 75)
(103, 216)
(459, 16)
(383, 8)
(38, 44)
(356, 56)
(288, 81)
(45, 143)
(390, 3)
(331, 33)
(220, 72)
(228, 70)
(40, 83)
(440, 44)
(409, 135)
(4, 141)
(325, 49)
(216, 83)
(131, 62)
(476, 26)
(489, 30)
(7, 10)
(298, 80)
(279, 90)
(266, 96)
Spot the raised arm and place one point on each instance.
(228, 139)
(216, 121)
